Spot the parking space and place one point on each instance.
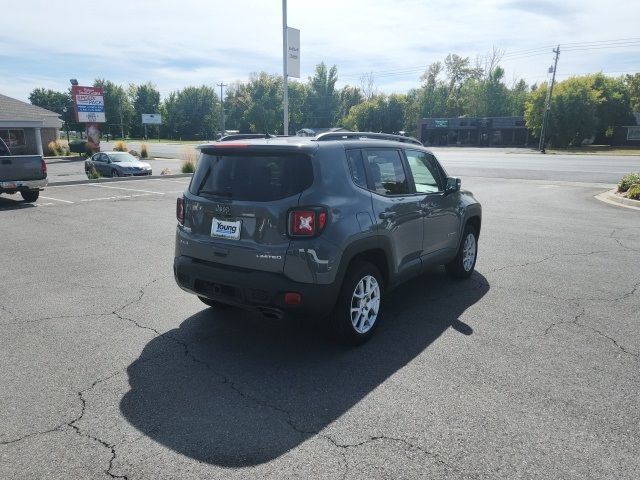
(68, 195)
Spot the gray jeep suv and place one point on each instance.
(320, 226)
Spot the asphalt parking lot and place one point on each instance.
(530, 369)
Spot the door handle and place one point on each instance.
(386, 215)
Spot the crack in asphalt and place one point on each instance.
(377, 438)
(619, 242)
(549, 257)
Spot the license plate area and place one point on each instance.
(226, 229)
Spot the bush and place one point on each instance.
(58, 148)
(144, 150)
(120, 146)
(627, 181)
(188, 166)
(634, 192)
(93, 174)
(78, 146)
(166, 171)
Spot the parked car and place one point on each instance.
(26, 174)
(116, 164)
(320, 226)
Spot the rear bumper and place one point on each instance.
(254, 290)
(20, 185)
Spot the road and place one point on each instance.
(527, 370)
(516, 163)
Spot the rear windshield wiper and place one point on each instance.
(216, 193)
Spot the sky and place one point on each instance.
(194, 42)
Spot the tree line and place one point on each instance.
(582, 107)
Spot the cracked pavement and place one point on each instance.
(528, 370)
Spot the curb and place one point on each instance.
(611, 198)
(118, 179)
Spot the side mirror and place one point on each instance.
(453, 185)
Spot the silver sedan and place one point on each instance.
(116, 164)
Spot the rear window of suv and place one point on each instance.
(258, 178)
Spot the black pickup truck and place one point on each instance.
(26, 174)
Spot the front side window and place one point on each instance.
(425, 173)
(386, 172)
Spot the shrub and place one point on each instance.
(166, 171)
(121, 146)
(144, 150)
(634, 192)
(58, 148)
(188, 166)
(78, 146)
(93, 174)
(627, 181)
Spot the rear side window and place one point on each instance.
(258, 178)
(386, 172)
(354, 157)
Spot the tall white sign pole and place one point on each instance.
(285, 54)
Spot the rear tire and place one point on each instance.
(357, 312)
(213, 303)
(30, 195)
(464, 263)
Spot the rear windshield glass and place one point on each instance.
(258, 178)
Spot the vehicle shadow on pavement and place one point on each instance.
(11, 204)
(236, 390)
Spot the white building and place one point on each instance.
(25, 128)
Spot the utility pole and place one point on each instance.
(285, 84)
(221, 85)
(547, 106)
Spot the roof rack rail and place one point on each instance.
(360, 135)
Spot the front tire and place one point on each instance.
(464, 263)
(357, 312)
(30, 195)
(115, 173)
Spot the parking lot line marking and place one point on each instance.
(115, 197)
(165, 180)
(122, 188)
(56, 199)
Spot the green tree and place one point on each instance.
(118, 110)
(614, 107)
(191, 113)
(56, 102)
(633, 84)
(321, 106)
(347, 97)
(517, 98)
(380, 114)
(145, 98)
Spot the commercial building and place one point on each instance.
(25, 128)
(474, 131)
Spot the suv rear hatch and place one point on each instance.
(237, 206)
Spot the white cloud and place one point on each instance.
(175, 44)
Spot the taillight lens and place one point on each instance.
(307, 222)
(180, 210)
(43, 165)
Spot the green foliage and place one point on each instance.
(145, 98)
(117, 107)
(191, 113)
(628, 180)
(633, 85)
(188, 166)
(380, 114)
(634, 192)
(320, 106)
(256, 106)
(78, 146)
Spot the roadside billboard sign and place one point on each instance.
(441, 123)
(151, 119)
(293, 52)
(89, 104)
(633, 133)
